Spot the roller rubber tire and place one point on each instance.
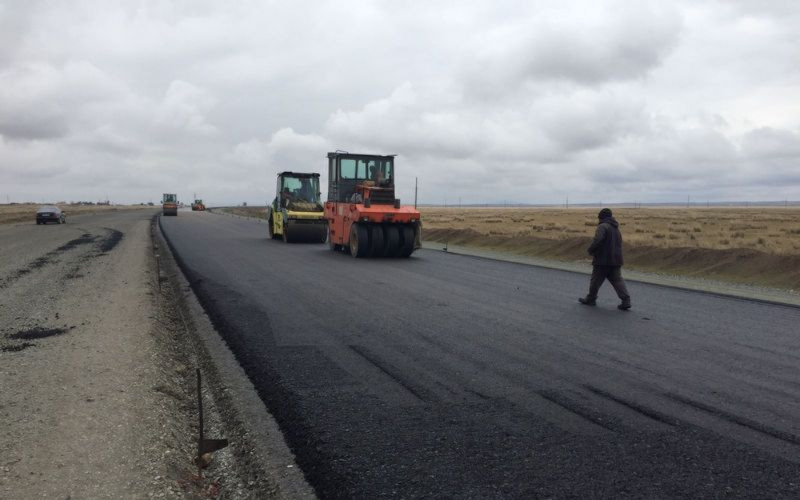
(406, 241)
(376, 247)
(359, 241)
(391, 241)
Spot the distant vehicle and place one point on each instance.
(50, 213)
(169, 204)
(198, 205)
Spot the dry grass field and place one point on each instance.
(759, 246)
(10, 214)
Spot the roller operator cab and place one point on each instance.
(364, 217)
(169, 204)
(296, 213)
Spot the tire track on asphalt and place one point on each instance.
(571, 406)
(650, 413)
(393, 373)
(737, 419)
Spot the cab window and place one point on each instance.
(366, 169)
(347, 168)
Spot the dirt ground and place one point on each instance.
(97, 389)
(756, 246)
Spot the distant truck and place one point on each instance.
(169, 204)
(198, 206)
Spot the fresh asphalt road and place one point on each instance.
(443, 376)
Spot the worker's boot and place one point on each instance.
(626, 305)
(587, 301)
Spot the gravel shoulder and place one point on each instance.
(95, 385)
(258, 463)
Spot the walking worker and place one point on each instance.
(606, 252)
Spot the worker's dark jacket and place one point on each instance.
(606, 248)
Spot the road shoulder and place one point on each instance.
(93, 379)
(258, 451)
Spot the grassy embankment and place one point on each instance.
(758, 246)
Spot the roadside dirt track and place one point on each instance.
(96, 381)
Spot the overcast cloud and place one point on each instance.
(525, 101)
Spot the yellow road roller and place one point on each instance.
(296, 213)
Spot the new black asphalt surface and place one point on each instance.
(445, 376)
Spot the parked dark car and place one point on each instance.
(49, 213)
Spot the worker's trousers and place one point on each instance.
(614, 276)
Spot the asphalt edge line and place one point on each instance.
(555, 267)
(228, 382)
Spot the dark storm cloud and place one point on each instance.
(44, 125)
(587, 46)
(622, 47)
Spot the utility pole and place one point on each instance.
(567, 202)
(416, 179)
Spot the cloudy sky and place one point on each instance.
(525, 101)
